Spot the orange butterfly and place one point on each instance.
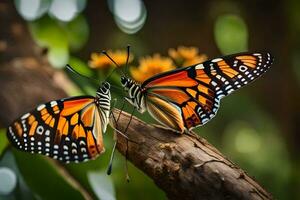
(69, 130)
(189, 97)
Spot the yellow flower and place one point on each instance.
(99, 60)
(150, 66)
(187, 55)
(197, 59)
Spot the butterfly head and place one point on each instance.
(104, 88)
(124, 81)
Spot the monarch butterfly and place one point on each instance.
(185, 98)
(69, 130)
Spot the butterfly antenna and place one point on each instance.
(112, 60)
(128, 55)
(76, 72)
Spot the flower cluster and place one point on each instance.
(101, 61)
(150, 65)
(187, 56)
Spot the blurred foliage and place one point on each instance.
(102, 185)
(243, 130)
(3, 140)
(60, 37)
(22, 191)
(231, 34)
(296, 64)
(57, 185)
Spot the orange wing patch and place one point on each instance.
(19, 128)
(62, 129)
(204, 89)
(190, 116)
(86, 116)
(32, 128)
(191, 92)
(166, 113)
(31, 119)
(74, 106)
(249, 61)
(74, 119)
(202, 76)
(226, 69)
(180, 79)
(91, 144)
(174, 95)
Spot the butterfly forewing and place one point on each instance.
(196, 91)
(67, 129)
(229, 73)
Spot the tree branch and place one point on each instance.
(184, 166)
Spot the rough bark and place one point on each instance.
(185, 166)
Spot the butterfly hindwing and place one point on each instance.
(196, 91)
(68, 130)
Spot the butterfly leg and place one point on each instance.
(126, 152)
(122, 108)
(109, 169)
(117, 130)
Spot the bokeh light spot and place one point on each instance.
(247, 140)
(65, 10)
(32, 9)
(8, 180)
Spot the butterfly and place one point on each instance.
(69, 130)
(185, 98)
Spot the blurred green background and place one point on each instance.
(255, 127)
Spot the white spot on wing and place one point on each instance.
(25, 116)
(213, 83)
(53, 103)
(200, 66)
(40, 107)
(216, 60)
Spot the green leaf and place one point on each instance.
(231, 34)
(43, 178)
(58, 56)
(50, 34)
(47, 32)
(3, 140)
(80, 66)
(77, 32)
(102, 185)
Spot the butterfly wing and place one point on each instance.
(194, 93)
(68, 130)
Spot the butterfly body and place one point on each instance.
(188, 97)
(69, 130)
(136, 95)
